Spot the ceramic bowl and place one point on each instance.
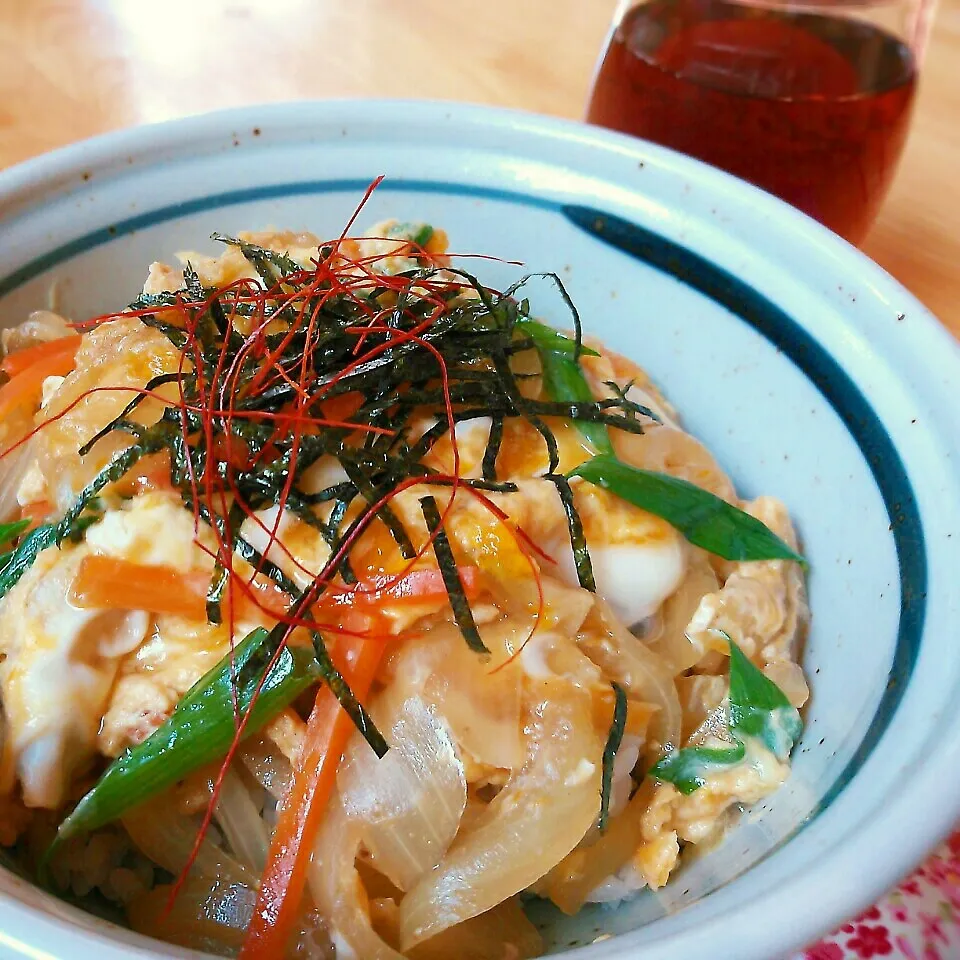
(808, 371)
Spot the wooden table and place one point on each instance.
(73, 68)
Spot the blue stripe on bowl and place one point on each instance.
(712, 281)
(851, 406)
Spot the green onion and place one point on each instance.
(614, 740)
(546, 338)
(10, 531)
(704, 519)
(199, 731)
(22, 559)
(689, 768)
(759, 709)
(421, 236)
(564, 381)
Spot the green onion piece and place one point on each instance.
(451, 577)
(10, 531)
(27, 550)
(546, 338)
(704, 519)
(614, 740)
(688, 769)
(199, 731)
(422, 235)
(564, 381)
(418, 233)
(759, 708)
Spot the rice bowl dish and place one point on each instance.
(348, 606)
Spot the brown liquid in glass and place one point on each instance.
(812, 108)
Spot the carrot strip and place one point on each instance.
(415, 586)
(15, 363)
(284, 878)
(36, 513)
(25, 388)
(115, 584)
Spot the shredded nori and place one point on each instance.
(477, 333)
(451, 576)
(614, 739)
(578, 541)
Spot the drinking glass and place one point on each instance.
(810, 100)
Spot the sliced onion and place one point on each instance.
(481, 708)
(41, 326)
(503, 932)
(670, 640)
(13, 468)
(267, 765)
(338, 892)
(542, 813)
(572, 880)
(208, 914)
(643, 674)
(239, 819)
(167, 838)
(411, 801)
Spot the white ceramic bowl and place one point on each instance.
(807, 370)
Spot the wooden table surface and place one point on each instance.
(73, 68)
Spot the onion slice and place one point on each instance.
(15, 464)
(411, 801)
(239, 819)
(208, 915)
(501, 932)
(542, 813)
(670, 641)
(644, 675)
(166, 837)
(338, 891)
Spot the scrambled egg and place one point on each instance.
(59, 665)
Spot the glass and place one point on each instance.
(808, 100)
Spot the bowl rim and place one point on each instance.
(42, 178)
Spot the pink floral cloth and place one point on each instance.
(920, 920)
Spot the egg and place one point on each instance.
(323, 473)
(472, 437)
(634, 578)
(638, 559)
(59, 666)
(154, 529)
(295, 547)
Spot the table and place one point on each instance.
(73, 68)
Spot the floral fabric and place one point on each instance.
(920, 920)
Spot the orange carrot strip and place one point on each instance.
(117, 584)
(15, 363)
(26, 387)
(415, 586)
(152, 473)
(36, 512)
(114, 584)
(284, 878)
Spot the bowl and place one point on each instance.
(808, 371)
